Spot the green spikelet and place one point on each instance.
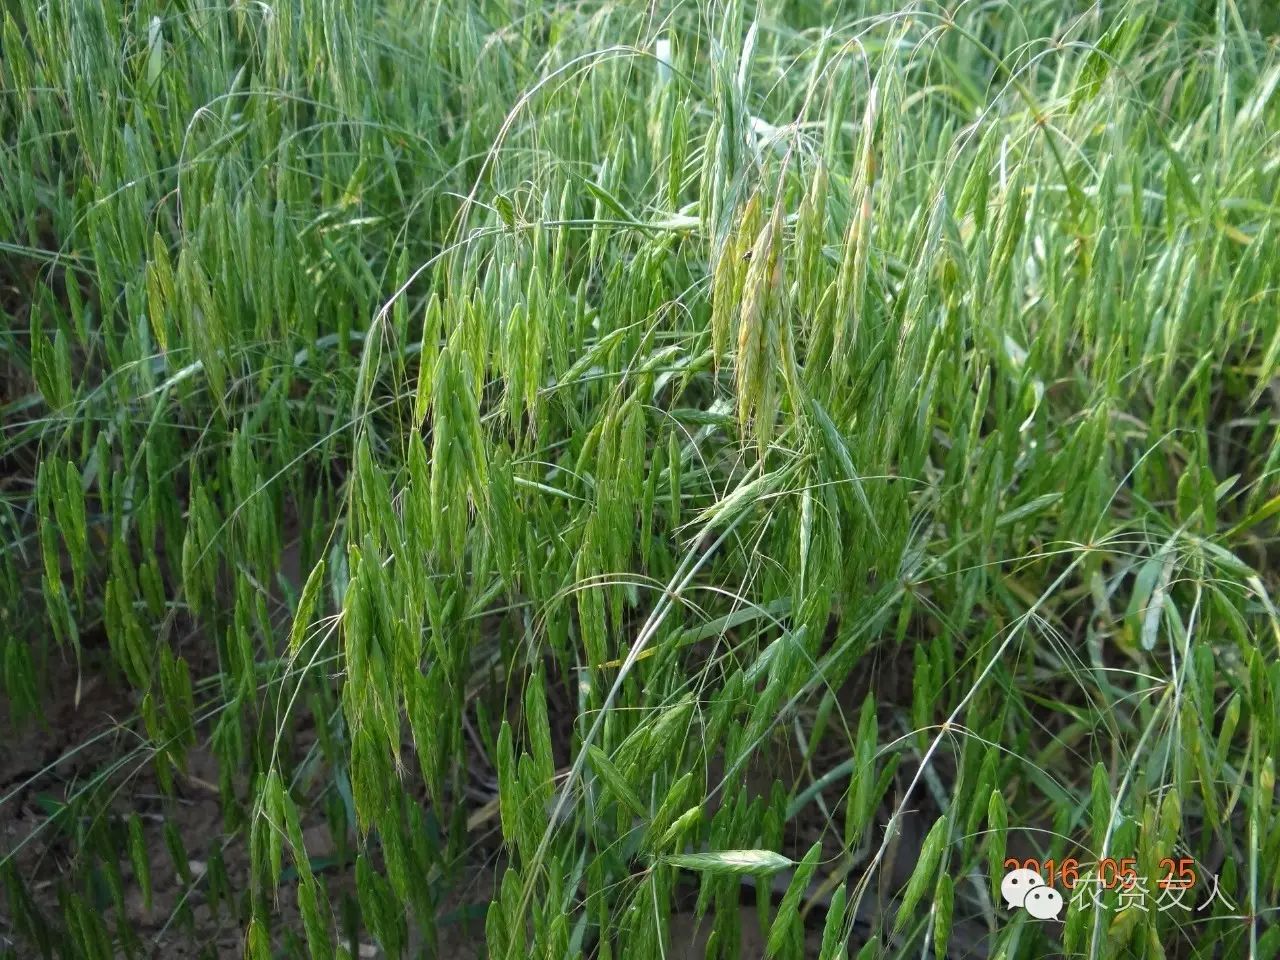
(834, 943)
(758, 338)
(923, 874)
(786, 927)
(729, 275)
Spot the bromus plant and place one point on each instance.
(639, 480)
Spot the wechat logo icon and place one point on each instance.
(1027, 889)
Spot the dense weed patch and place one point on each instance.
(638, 480)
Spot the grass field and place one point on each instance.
(488, 478)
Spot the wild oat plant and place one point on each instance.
(607, 479)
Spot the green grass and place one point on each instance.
(593, 464)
